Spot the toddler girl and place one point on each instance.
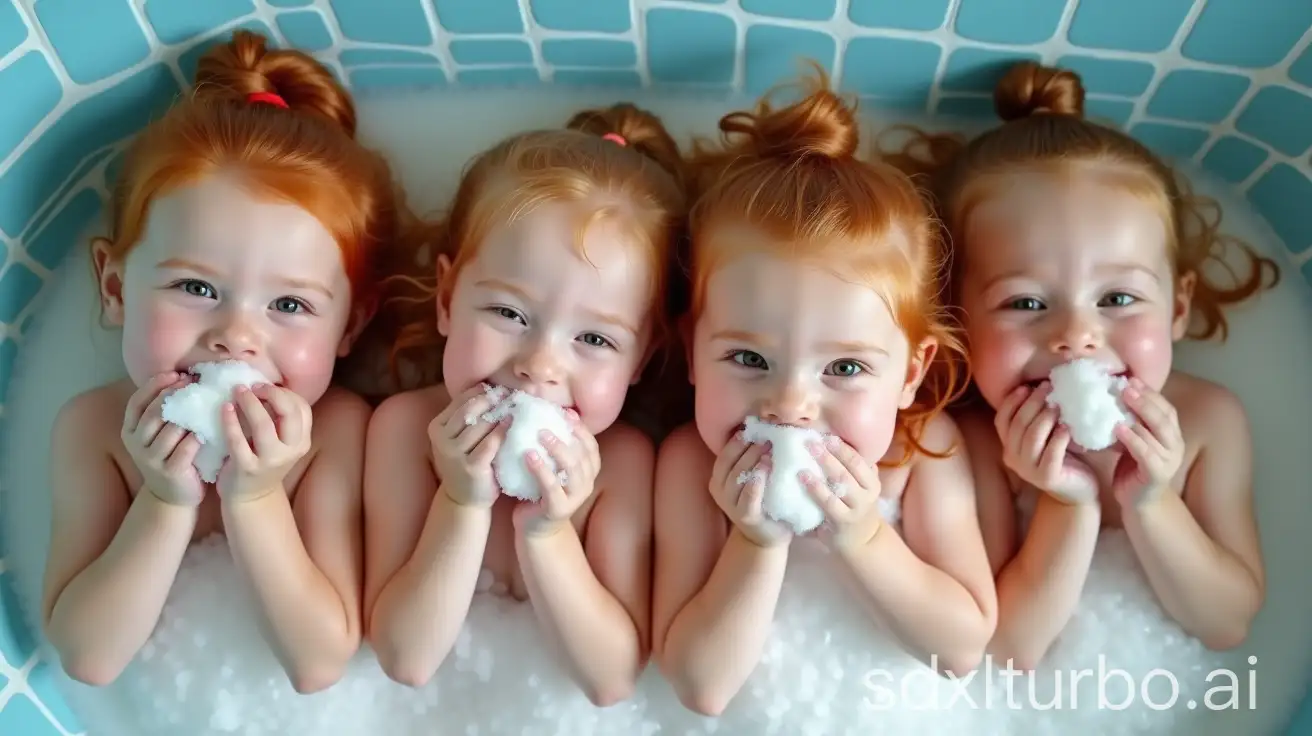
(247, 225)
(813, 306)
(550, 280)
(1073, 241)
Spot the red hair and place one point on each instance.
(638, 183)
(1044, 128)
(792, 173)
(305, 154)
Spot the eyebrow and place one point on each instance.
(180, 264)
(741, 336)
(606, 317)
(843, 346)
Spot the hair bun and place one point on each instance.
(641, 130)
(245, 66)
(1029, 88)
(821, 124)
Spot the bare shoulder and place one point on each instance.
(341, 412)
(409, 411)
(1207, 411)
(683, 463)
(626, 449)
(91, 419)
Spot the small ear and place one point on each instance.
(686, 327)
(109, 277)
(361, 314)
(1182, 303)
(443, 309)
(922, 357)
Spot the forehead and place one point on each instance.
(220, 218)
(766, 293)
(544, 245)
(1070, 217)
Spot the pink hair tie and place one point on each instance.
(268, 98)
(615, 138)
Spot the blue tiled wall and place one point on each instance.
(1226, 83)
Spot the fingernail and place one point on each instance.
(804, 476)
(1132, 394)
(832, 441)
(533, 458)
(816, 449)
(547, 437)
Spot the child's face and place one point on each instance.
(1056, 270)
(795, 344)
(221, 275)
(528, 312)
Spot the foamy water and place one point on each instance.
(430, 138)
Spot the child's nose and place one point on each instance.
(794, 404)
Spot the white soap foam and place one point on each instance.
(1089, 399)
(197, 407)
(786, 499)
(529, 415)
(68, 352)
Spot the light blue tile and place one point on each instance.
(921, 15)
(42, 681)
(12, 29)
(503, 77)
(20, 716)
(1115, 113)
(1194, 94)
(402, 57)
(93, 40)
(479, 16)
(890, 67)
(15, 644)
(1009, 21)
(1172, 141)
(306, 30)
(397, 76)
(4, 253)
(1110, 76)
(176, 21)
(979, 70)
(1234, 159)
(1301, 70)
(400, 22)
(1128, 25)
(623, 78)
(190, 58)
(87, 127)
(792, 9)
(775, 55)
(690, 46)
(966, 107)
(1241, 33)
(603, 16)
(74, 181)
(30, 91)
(588, 52)
(64, 232)
(1281, 196)
(491, 51)
(18, 286)
(1280, 117)
(290, 3)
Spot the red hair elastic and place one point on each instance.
(615, 138)
(268, 98)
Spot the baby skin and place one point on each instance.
(1055, 274)
(213, 281)
(526, 313)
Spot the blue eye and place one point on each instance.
(1117, 299)
(290, 305)
(196, 287)
(749, 359)
(595, 340)
(845, 368)
(1025, 304)
(510, 314)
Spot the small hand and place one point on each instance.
(579, 463)
(1154, 447)
(851, 512)
(280, 437)
(738, 486)
(1034, 447)
(464, 445)
(163, 452)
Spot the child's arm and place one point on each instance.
(594, 600)
(304, 561)
(715, 591)
(423, 551)
(934, 589)
(112, 558)
(1201, 553)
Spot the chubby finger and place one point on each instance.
(834, 508)
(286, 408)
(1140, 443)
(1035, 405)
(164, 443)
(751, 499)
(473, 435)
(567, 457)
(238, 446)
(1153, 410)
(1054, 455)
(486, 449)
(264, 434)
(729, 456)
(184, 454)
(754, 461)
(1006, 412)
(549, 486)
(143, 397)
(1037, 436)
(858, 470)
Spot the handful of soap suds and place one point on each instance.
(1089, 399)
(196, 406)
(529, 415)
(786, 499)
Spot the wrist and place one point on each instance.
(444, 504)
(539, 530)
(162, 505)
(771, 546)
(851, 542)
